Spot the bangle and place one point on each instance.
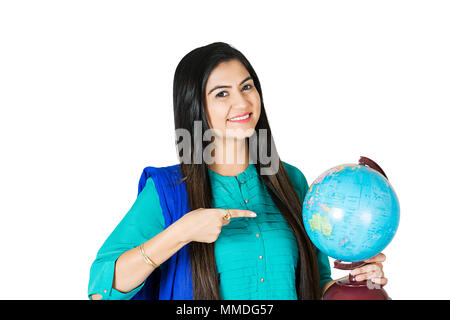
(147, 259)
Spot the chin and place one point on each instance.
(246, 133)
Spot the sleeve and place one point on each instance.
(301, 187)
(142, 222)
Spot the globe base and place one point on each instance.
(350, 289)
(355, 290)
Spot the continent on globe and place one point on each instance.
(322, 224)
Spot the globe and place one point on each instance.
(351, 212)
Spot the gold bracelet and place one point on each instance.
(147, 259)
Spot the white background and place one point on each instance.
(86, 104)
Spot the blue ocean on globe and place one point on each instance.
(351, 212)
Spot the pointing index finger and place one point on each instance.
(237, 213)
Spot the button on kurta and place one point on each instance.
(262, 280)
(257, 235)
(246, 200)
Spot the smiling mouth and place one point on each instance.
(242, 118)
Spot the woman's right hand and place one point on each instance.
(205, 225)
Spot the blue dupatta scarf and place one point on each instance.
(173, 280)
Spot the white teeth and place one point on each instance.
(240, 118)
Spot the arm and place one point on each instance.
(143, 221)
(131, 270)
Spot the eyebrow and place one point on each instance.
(221, 87)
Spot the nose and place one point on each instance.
(239, 101)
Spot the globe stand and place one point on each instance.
(350, 289)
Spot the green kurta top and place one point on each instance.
(256, 258)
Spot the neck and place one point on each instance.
(230, 156)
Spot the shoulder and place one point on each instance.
(168, 173)
(149, 187)
(148, 196)
(298, 179)
(295, 173)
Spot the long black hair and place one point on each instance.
(189, 95)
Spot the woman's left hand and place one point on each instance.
(372, 271)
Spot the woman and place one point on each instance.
(241, 234)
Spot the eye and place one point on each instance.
(247, 87)
(221, 94)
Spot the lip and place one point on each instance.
(241, 115)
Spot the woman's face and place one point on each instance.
(233, 104)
